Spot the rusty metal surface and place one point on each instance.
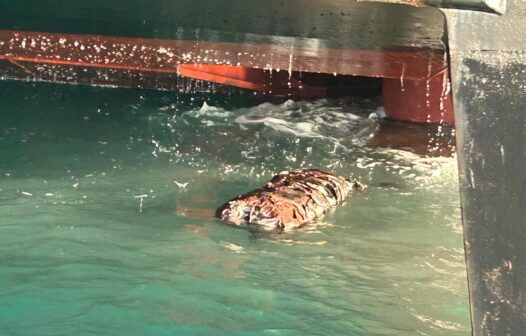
(488, 55)
(489, 6)
(90, 76)
(154, 37)
(303, 23)
(163, 56)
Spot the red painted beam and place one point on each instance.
(420, 101)
(272, 82)
(246, 78)
(157, 63)
(156, 55)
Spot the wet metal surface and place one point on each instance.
(325, 24)
(488, 75)
(109, 60)
(490, 6)
(141, 43)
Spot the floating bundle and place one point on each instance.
(291, 199)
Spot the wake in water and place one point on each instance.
(85, 234)
(344, 135)
(318, 119)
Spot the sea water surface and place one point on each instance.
(106, 198)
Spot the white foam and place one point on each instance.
(212, 111)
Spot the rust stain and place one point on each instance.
(414, 3)
(164, 56)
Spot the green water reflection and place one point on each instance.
(80, 255)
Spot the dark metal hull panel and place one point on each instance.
(488, 75)
(328, 24)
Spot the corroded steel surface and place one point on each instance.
(164, 56)
(335, 24)
(421, 101)
(274, 46)
(488, 63)
(490, 6)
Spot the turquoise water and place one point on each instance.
(105, 227)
